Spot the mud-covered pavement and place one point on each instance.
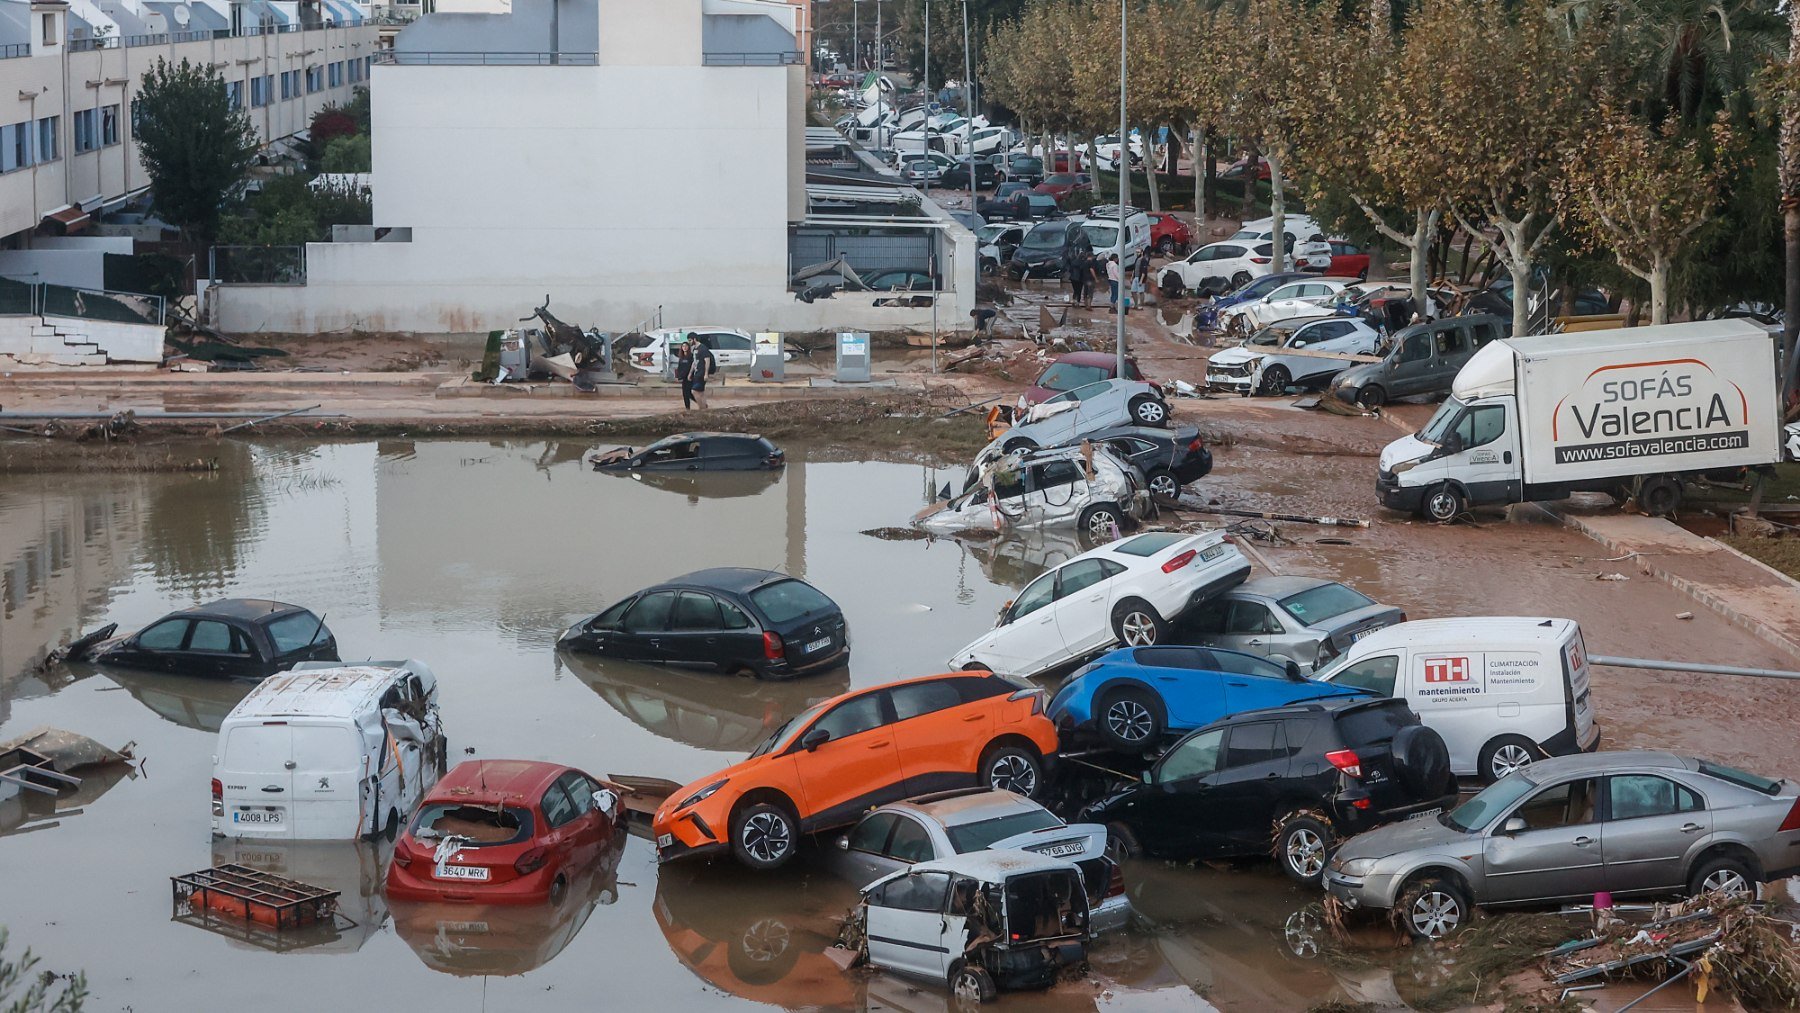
(473, 555)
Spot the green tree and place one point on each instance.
(193, 145)
(347, 154)
(36, 996)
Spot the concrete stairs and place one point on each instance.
(37, 340)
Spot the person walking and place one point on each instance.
(1140, 278)
(704, 366)
(684, 370)
(1093, 273)
(1075, 268)
(1113, 278)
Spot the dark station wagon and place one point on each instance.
(233, 638)
(731, 619)
(693, 452)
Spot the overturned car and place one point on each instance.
(1091, 488)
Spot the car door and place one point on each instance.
(1172, 816)
(694, 628)
(908, 928)
(157, 647)
(561, 836)
(933, 732)
(219, 649)
(865, 858)
(1486, 446)
(1651, 823)
(1243, 625)
(1558, 854)
(1410, 370)
(644, 628)
(680, 455)
(1029, 641)
(1252, 683)
(1240, 803)
(855, 767)
(730, 349)
(1187, 681)
(1084, 595)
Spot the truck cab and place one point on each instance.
(1467, 455)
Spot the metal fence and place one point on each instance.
(418, 59)
(257, 265)
(15, 50)
(751, 59)
(23, 296)
(866, 251)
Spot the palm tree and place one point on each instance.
(1691, 57)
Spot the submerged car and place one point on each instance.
(978, 923)
(1097, 494)
(731, 619)
(693, 452)
(1626, 823)
(503, 832)
(1288, 782)
(1128, 592)
(232, 638)
(1304, 619)
(931, 827)
(825, 767)
(1130, 698)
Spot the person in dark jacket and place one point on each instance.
(704, 366)
(684, 372)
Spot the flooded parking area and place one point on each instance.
(473, 556)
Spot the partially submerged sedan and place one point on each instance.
(1565, 828)
(1098, 494)
(693, 452)
(232, 638)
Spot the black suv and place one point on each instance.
(1284, 781)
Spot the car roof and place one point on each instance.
(970, 807)
(1599, 763)
(1142, 432)
(1465, 631)
(992, 866)
(705, 435)
(495, 781)
(240, 608)
(1321, 704)
(337, 692)
(1279, 587)
(729, 578)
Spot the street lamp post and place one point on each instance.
(1121, 163)
(935, 241)
(969, 109)
(855, 34)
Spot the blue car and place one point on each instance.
(1130, 698)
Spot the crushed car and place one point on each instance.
(1090, 488)
(692, 452)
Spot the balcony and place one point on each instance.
(541, 59)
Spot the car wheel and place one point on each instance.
(1421, 762)
(1137, 624)
(1303, 844)
(764, 953)
(1017, 444)
(762, 836)
(1164, 484)
(1130, 719)
(1171, 286)
(1012, 768)
(976, 666)
(558, 890)
(971, 986)
(1275, 380)
(1122, 843)
(1432, 907)
(1240, 279)
(1166, 246)
(1659, 495)
(1724, 874)
(1444, 503)
(1362, 275)
(1505, 754)
(1100, 524)
(1372, 396)
(1149, 410)
(989, 268)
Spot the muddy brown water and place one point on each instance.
(473, 556)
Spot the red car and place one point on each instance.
(1169, 235)
(503, 832)
(1348, 261)
(1076, 369)
(1065, 161)
(1062, 184)
(1241, 168)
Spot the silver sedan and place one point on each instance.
(1565, 828)
(1306, 619)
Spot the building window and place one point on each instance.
(47, 148)
(15, 146)
(234, 94)
(315, 79)
(290, 84)
(262, 90)
(86, 137)
(109, 125)
(337, 74)
(355, 67)
(49, 29)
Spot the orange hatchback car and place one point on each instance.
(826, 767)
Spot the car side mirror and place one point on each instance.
(814, 739)
(1148, 777)
(1005, 613)
(1514, 825)
(1293, 671)
(843, 843)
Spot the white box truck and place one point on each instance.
(1633, 412)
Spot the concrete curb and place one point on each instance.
(1699, 592)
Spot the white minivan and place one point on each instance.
(1501, 690)
(328, 752)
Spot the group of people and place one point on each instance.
(694, 362)
(1084, 271)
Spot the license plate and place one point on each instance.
(258, 817)
(665, 840)
(818, 645)
(1062, 850)
(1428, 812)
(1213, 553)
(462, 872)
(462, 926)
(1359, 634)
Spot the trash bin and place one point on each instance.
(853, 357)
(766, 364)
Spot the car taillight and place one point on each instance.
(218, 789)
(1402, 617)
(771, 646)
(531, 861)
(1345, 760)
(1228, 539)
(218, 798)
(402, 854)
(1036, 696)
(1259, 260)
(1196, 445)
(1179, 561)
(1793, 818)
(1116, 885)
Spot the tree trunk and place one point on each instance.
(1789, 177)
(1277, 211)
(1149, 166)
(1380, 28)
(1659, 290)
(1519, 266)
(1209, 184)
(1418, 271)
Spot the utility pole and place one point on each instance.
(936, 239)
(969, 108)
(1122, 164)
(855, 34)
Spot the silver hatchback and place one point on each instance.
(1568, 827)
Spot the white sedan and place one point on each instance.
(1308, 298)
(1128, 592)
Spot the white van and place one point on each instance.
(1502, 691)
(1101, 226)
(328, 752)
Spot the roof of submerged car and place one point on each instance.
(240, 608)
(495, 781)
(728, 578)
(971, 807)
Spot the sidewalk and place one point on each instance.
(1752, 596)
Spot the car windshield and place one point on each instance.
(1026, 164)
(1102, 236)
(777, 736)
(1495, 799)
(480, 825)
(1439, 426)
(976, 836)
(1061, 179)
(790, 599)
(1261, 286)
(297, 631)
(1068, 376)
(1324, 603)
(989, 233)
(1045, 239)
(1270, 337)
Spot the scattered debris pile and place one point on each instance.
(1731, 946)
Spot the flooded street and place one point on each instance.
(474, 555)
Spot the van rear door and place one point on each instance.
(328, 774)
(256, 774)
(1576, 687)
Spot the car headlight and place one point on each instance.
(1357, 867)
(701, 795)
(1253, 361)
